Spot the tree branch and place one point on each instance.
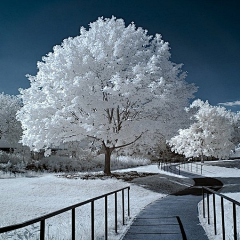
(98, 139)
(104, 144)
(127, 144)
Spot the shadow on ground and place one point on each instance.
(196, 190)
(162, 183)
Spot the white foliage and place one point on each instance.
(210, 135)
(112, 83)
(10, 128)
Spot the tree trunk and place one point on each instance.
(107, 167)
(202, 159)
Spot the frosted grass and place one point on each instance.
(24, 198)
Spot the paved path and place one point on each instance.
(162, 219)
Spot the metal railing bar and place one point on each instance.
(223, 222)
(123, 206)
(208, 210)
(106, 219)
(234, 222)
(42, 230)
(203, 196)
(92, 220)
(221, 195)
(234, 202)
(214, 215)
(52, 214)
(73, 224)
(128, 202)
(115, 212)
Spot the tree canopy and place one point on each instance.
(211, 134)
(112, 83)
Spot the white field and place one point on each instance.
(24, 198)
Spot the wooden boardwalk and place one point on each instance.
(150, 228)
(174, 217)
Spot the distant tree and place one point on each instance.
(210, 135)
(10, 127)
(235, 119)
(112, 83)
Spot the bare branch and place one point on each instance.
(127, 144)
(98, 139)
(104, 144)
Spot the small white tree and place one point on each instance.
(112, 83)
(235, 118)
(210, 135)
(10, 127)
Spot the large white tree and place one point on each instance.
(10, 127)
(112, 83)
(212, 133)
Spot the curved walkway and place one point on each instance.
(166, 218)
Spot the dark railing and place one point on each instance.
(185, 165)
(169, 166)
(209, 191)
(72, 209)
(191, 166)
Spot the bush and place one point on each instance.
(62, 162)
(11, 162)
(127, 161)
(85, 163)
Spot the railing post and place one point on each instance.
(234, 222)
(208, 208)
(128, 201)
(123, 206)
(42, 230)
(106, 219)
(203, 202)
(73, 224)
(92, 220)
(201, 168)
(115, 212)
(223, 223)
(214, 214)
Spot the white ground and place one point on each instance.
(150, 169)
(24, 198)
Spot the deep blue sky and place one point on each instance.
(204, 35)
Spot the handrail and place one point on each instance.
(167, 166)
(234, 202)
(189, 168)
(178, 165)
(221, 195)
(73, 207)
